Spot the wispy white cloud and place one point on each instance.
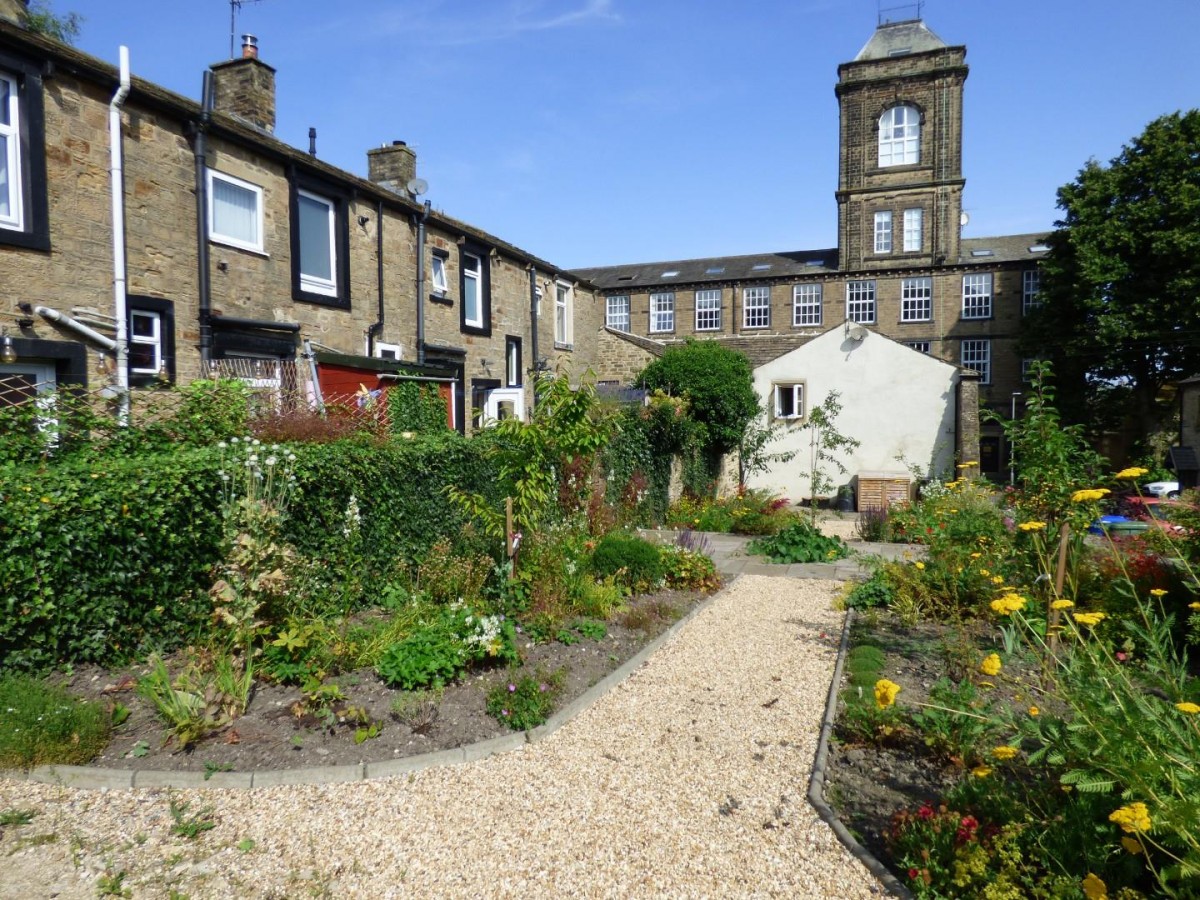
(502, 21)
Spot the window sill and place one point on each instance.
(559, 345)
(245, 248)
(442, 299)
(916, 321)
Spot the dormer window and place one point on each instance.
(900, 136)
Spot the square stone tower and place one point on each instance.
(900, 179)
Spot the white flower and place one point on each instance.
(221, 444)
(271, 461)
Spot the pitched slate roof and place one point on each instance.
(1006, 248)
(900, 39)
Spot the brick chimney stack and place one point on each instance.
(245, 87)
(392, 166)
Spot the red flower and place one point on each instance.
(925, 812)
(913, 874)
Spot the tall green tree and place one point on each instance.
(1120, 290)
(63, 27)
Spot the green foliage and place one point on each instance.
(957, 721)
(689, 570)
(631, 560)
(193, 825)
(211, 411)
(429, 657)
(799, 542)
(17, 817)
(527, 701)
(44, 725)
(862, 720)
(746, 512)
(754, 454)
(638, 458)
(825, 443)
(40, 18)
(873, 593)
(1121, 278)
(416, 407)
(209, 693)
(717, 383)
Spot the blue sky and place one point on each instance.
(596, 132)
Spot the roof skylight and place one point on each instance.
(714, 270)
(1039, 248)
(983, 252)
(670, 273)
(760, 267)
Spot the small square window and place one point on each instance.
(145, 342)
(789, 401)
(235, 212)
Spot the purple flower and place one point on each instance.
(511, 688)
(504, 712)
(543, 688)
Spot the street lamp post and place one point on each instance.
(1012, 459)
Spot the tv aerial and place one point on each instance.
(234, 7)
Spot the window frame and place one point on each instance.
(481, 324)
(564, 308)
(902, 150)
(712, 320)
(164, 312)
(618, 321)
(864, 287)
(910, 311)
(883, 231)
(797, 391)
(513, 375)
(30, 224)
(227, 240)
(977, 295)
(1029, 295)
(334, 292)
(664, 314)
(439, 279)
(919, 346)
(914, 234)
(760, 294)
(981, 361)
(803, 308)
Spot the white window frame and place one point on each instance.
(916, 299)
(1031, 284)
(473, 276)
(708, 310)
(154, 341)
(788, 395)
(497, 396)
(883, 231)
(314, 283)
(914, 230)
(662, 312)
(900, 136)
(977, 296)
(14, 220)
(513, 377)
(217, 237)
(616, 312)
(977, 354)
(860, 302)
(388, 351)
(806, 305)
(919, 346)
(756, 307)
(564, 314)
(438, 280)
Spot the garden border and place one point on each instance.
(816, 782)
(93, 778)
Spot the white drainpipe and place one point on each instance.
(118, 225)
(78, 327)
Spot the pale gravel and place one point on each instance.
(685, 780)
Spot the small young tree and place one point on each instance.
(753, 455)
(825, 441)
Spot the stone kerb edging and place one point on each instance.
(816, 783)
(93, 778)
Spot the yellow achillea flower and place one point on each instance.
(966, 465)
(1131, 472)
(919, 564)
(997, 579)
(1062, 604)
(981, 771)
(976, 555)
(1132, 818)
(1094, 888)
(885, 693)
(1157, 592)
(1090, 619)
(1008, 604)
(1089, 494)
(1187, 707)
(1004, 752)
(1032, 526)
(984, 572)
(1033, 711)
(1131, 845)
(991, 665)
(1194, 606)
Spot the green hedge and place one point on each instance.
(103, 559)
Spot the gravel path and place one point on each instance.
(686, 780)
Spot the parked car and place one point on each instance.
(1168, 489)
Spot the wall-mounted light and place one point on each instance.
(8, 353)
(223, 266)
(363, 220)
(104, 365)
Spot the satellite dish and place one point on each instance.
(417, 186)
(856, 333)
(964, 220)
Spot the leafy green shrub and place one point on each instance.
(526, 702)
(429, 657)
(688, 570)
(632, 560)
(208, 694)
(44, 725)
(800, 542)
(416, 407)
(746, 512)
(876, 591)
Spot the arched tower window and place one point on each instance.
(900, 136)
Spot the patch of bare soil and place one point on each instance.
(271, 735)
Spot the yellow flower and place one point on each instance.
(1131, 845)
(919, 564)
(1132, 818)
(1090, 619)
(976, 555)
(885, 693)
(1194, 606)
(1008, 604)
(1061, 604)
(1157, 592)
(1089, 494)
(997, 579)
(1004, 752)
(1132, 472)
(966, 465)
(984, 572)
(1187, 707)
(1032, 526)
(981, 771)
(991, 665)
(1094, 888)
(1034, 711)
